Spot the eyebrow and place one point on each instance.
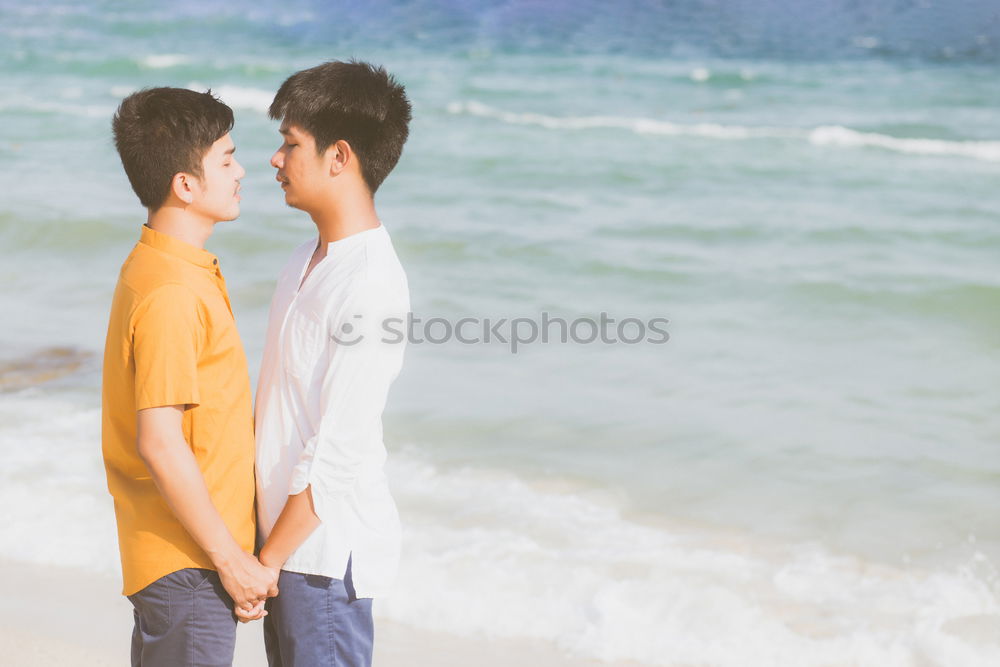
(285, 131)
(231, 151)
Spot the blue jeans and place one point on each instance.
(184, 619)
(317, 621)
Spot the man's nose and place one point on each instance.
(277, 160)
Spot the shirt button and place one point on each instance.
(215, 261)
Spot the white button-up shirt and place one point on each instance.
(334, 346)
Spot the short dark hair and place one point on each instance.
(160, 132)
(355, 101)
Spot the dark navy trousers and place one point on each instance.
(318, 621)
(184, 619)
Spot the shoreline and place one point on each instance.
(58, 615)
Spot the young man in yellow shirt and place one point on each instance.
(177, 424)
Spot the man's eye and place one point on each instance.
(228, 164)
(291, 145)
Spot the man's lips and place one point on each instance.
(283, 181)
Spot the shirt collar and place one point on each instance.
(176, 247)
(356, 237)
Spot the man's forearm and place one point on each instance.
(296, 522)
(177, 476)
(175, 471)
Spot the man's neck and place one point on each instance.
(343, 218)
(174, 221)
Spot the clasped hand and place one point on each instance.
(249, 584)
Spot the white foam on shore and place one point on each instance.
(488, 554)
(54, 502)
(238, 97)
(825, 135)
(836, 135)
(22, 104)
(700, 74)
(164, 60)
(637, 125)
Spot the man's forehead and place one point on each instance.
(224, 144)
(291, 129)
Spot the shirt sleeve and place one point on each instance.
(364, 361)
(166, 342)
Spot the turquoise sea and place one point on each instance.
(806, 473)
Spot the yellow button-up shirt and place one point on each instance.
(172, 340)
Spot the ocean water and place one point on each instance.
(806, 473)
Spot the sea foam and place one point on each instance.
(488, 554)
(239, 97)
(512, 560)
(164, 60)
(825, 135)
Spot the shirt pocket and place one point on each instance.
(305, 346)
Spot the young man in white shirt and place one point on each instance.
(325, 514)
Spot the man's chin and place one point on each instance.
(230, 215)
(291, 203)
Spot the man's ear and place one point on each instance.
(340, 155)
(182, 185)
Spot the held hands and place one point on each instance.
(249, 584)
(257, 611)
(295, 523)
